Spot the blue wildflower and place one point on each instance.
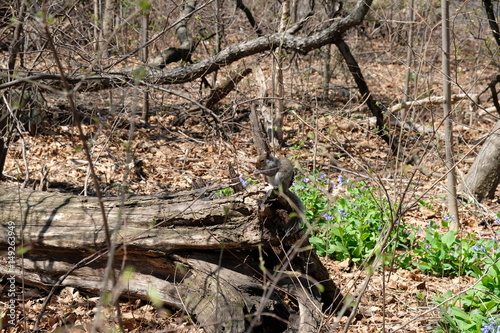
(449, 218)
(492, 326)
(340, 180)
(342, 213)
(478, 248)
(322, 176)
(327, 216)
(242, 180)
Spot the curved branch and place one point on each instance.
(231, 54)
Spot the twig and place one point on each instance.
(69, 94)
(81, 263)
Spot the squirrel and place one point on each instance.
(279, 174)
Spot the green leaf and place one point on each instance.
(459, 314)
(145, 6)
(449, 238)
(139, 73)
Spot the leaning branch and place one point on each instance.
(231, 54)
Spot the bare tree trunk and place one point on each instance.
(107, 27)
(327, 76)
(240, 5)
(183, 52)
(219, 35)
(4, 134)
(97, 32)
(490, 13)
(484, 175)
(6, 128)
(329, 34)
(144, 58)
(279, 109)
(451, 182)
(409, 55)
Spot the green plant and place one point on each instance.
(476, 311)
(486, 294)
(456, 320)
(445, 254)
(313, 191)
(349, 224)
(224, 192)
(228, 191)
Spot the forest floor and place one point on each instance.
(335, 131)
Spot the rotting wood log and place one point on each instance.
(226, 261)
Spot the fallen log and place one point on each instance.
(227, 261)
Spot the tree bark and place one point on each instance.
(492, 21)
(451, 180)
(183, 52)
(240, 5)
(484, 175)
(107, 28)
(225, 261)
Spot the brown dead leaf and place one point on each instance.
(427, 213)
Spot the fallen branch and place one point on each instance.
(436, 100)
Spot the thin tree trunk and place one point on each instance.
(219, 33)
(107, 26)
(240, 5)
(6, 128)
(328, 73)
(488, 6)
(280, 90)
(183, 52)
(409, 54)
(144, 58)
(451, 182)
(97, 33)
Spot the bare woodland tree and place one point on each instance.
(483, 177)
(63, 64)
(451, 182)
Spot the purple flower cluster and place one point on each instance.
(340, 182)
(243, 181)
(327, 217)
(479, 248)
(491, 326)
